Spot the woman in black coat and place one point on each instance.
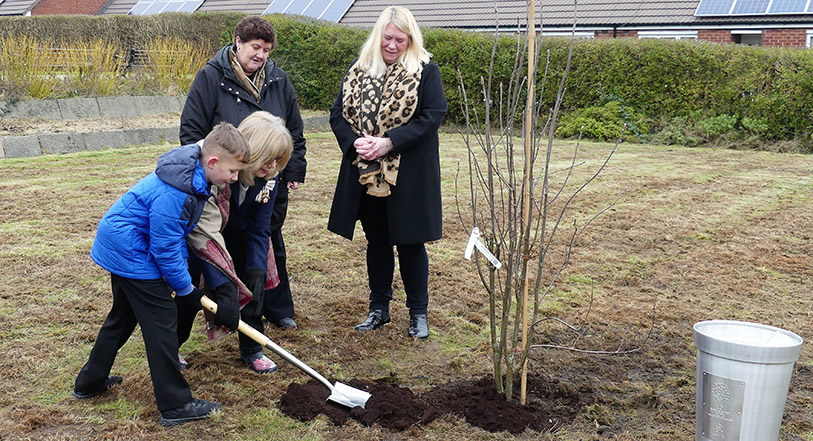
(386, 119)
(238, 81)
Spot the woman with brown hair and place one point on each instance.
(239, 80)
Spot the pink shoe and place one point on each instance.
(259, 363)
(182, 364)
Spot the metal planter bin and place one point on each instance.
(743, 377)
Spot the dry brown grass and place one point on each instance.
(703, 234)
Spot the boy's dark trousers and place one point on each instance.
(150, 304)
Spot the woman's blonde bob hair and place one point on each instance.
(268, 139)
(370, 57)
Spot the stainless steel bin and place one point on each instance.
(743, 376)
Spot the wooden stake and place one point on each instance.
(526, 195)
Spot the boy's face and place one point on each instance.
(222, 170)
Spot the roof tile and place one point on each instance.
(17, 7)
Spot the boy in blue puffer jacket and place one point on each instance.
(140, 240)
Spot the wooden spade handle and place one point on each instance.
(261, 338)
(252, 333)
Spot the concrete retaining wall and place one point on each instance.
(54, 143)
(50, 143)
(107, 106)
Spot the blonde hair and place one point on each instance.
(268, 139)
(370, 57)
(225, 138)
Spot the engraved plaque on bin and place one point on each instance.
(722, 407)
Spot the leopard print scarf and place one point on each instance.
(373, 106)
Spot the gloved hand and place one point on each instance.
(255, 281)
(228, 306)
(190, 302)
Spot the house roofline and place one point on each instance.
(106, 5)
(657, 27)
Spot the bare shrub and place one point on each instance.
(521, 189)
(25, 64)
(173, 62)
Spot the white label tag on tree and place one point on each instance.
(474, 242)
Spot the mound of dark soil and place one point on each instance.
(397, 408)
(389, 406)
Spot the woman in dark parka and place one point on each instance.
(238, 81)
(386, 119)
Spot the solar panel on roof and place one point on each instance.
(315, 7)
(753, 7)
(150, 7)
(336, 10)
(296, 7)
(787, 7)
(714, 7)
(277, 7)
(189, 6)
(138, 9)
(155, 8)
(750, 7)
(331, 10)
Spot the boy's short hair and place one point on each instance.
(224, 137)
(269, 139)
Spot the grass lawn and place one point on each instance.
(699, 234)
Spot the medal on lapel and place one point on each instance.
(264, 196)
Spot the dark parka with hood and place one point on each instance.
(217, 95)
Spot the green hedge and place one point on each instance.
(315, 54)
(130, 31)
(769, 90)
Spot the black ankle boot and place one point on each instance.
(375, 320)
(418, 326)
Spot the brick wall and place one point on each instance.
(52, 7)
(715, 36)
(618, 34)
(784, 37)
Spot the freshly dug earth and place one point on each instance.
(397, 408)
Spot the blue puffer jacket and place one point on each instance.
(142, 235)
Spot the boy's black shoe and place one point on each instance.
(111, 381)
(191, 411)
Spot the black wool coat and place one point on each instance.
(414, 213)
(216, 95)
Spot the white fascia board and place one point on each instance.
(577, 34)
(667, 34)
(742, 27)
